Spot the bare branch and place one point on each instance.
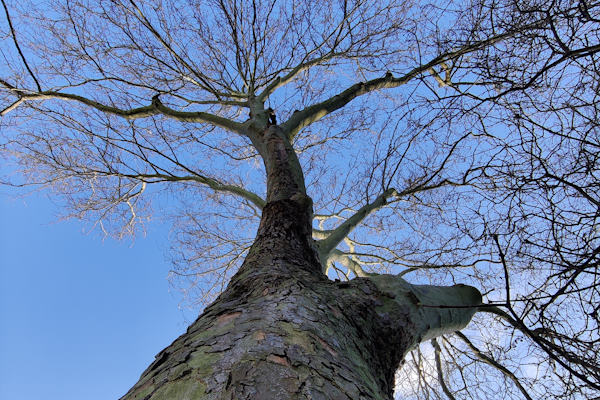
(438, 366)
(490, 361)
(282, 81)
(204, 83)
(310, 114)
(210, 182)
(347, 261)
(14, 36)
(156, 108)
(327, 245)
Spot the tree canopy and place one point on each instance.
(449, 142)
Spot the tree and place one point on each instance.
(364, 142)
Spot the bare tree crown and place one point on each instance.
(444, 141)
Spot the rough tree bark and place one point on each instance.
(282, 330)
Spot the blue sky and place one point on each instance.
(80, 317)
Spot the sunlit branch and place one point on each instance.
(447, 75)
(131, 208)
(11, 107)
(327, 245)
(129, 198)
(337, 215)
(335, 236)
(319, 234)
(347, 261)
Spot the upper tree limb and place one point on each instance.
(315, 112)
(328, 244)
(335, 236)
(155, 108)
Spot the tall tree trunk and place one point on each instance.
(282, 330)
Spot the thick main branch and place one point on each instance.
(310, 114)
(155, 108)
